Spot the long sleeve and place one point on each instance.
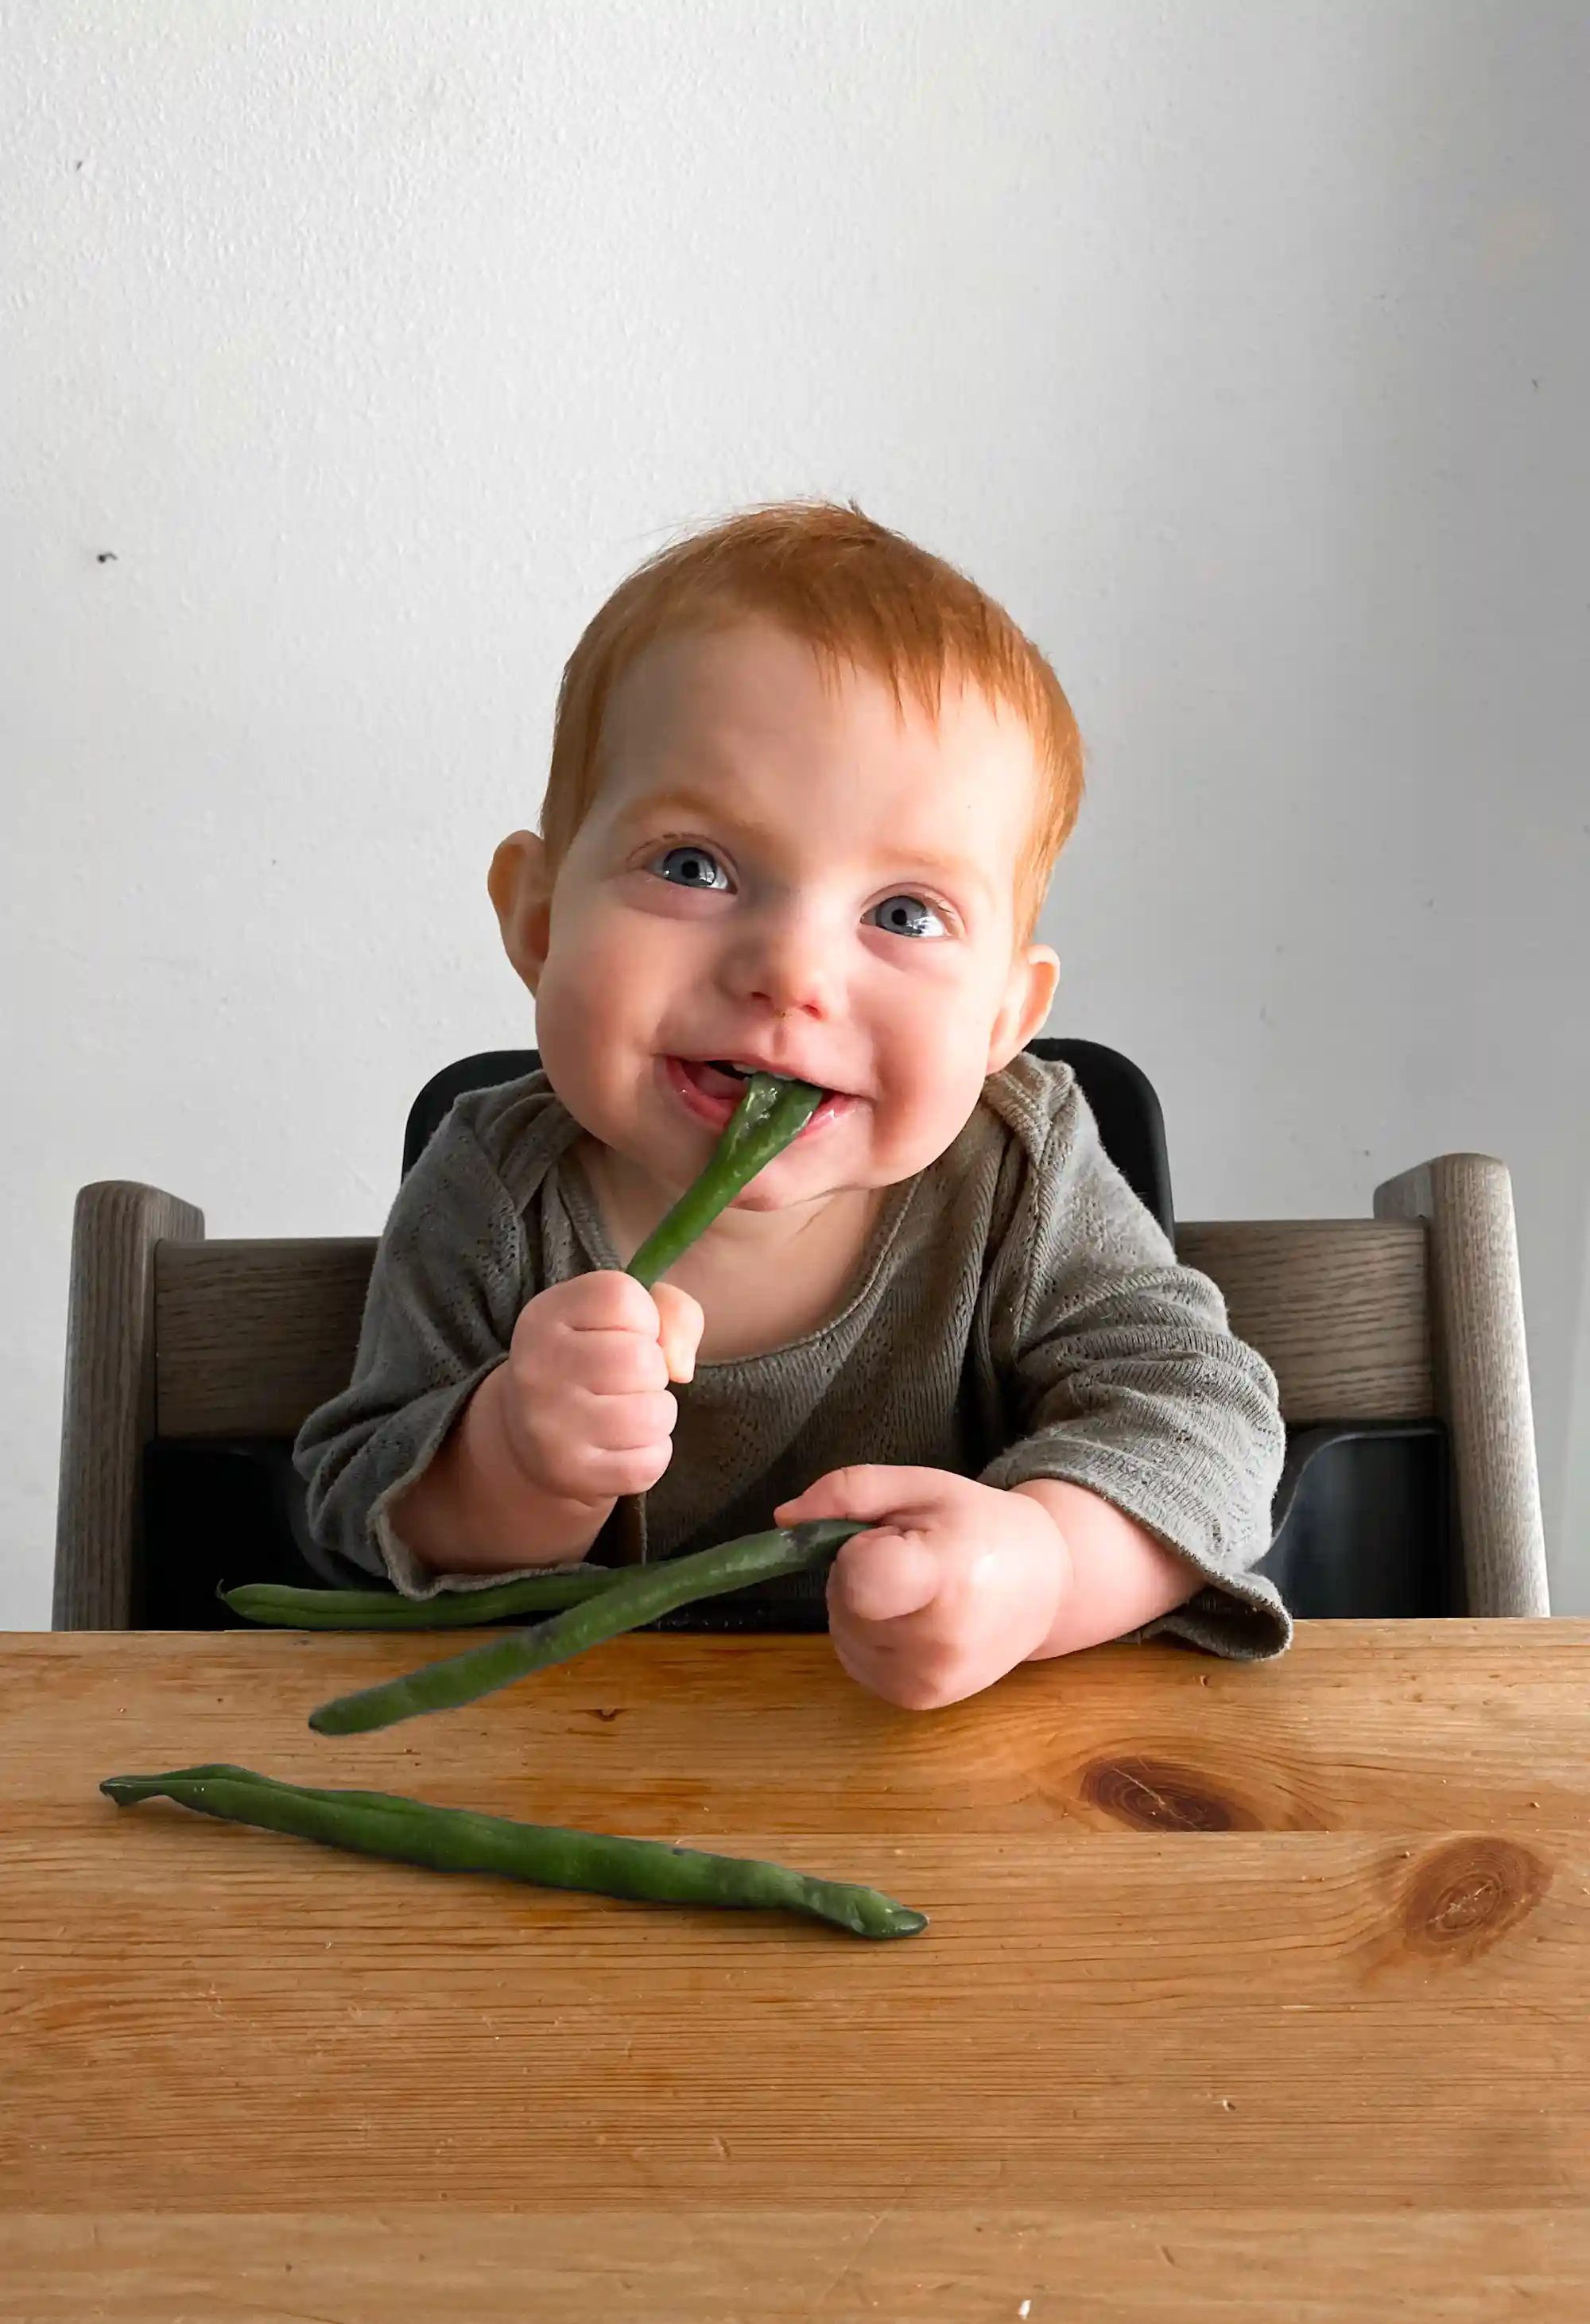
(445, 1290)
(1125, 1378)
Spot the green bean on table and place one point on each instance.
(592, 1604)
(457, 1840)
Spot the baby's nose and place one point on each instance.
(789, 964)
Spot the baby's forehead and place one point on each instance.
(830, 769)
(753, 679)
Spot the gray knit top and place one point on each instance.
(1017, 1313)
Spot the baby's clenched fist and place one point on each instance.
(586, 1404)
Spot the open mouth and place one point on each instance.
(711, 1089)
(719, 1077)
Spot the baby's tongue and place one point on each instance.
(714, 1084)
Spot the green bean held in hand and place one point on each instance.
(457, 1840)
(639, 1595)
(770, 1115)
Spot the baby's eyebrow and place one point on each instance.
(702, 806)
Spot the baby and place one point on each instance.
(807, 786)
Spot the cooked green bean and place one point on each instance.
(640, 1595)
(595, 1604)
(287, 1607)
(768, 1117)
(457, 1840)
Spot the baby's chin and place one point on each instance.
(768, 1192)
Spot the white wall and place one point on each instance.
(1241, 345)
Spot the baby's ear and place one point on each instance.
(520, 888)
(1029, 995)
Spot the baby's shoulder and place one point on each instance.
(989, 1182)
(1059, 1186)
(517, 1128)
(1037, 1103)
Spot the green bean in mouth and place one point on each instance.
(641, 1594)
(770, 1115)
(548, 1856)
(594, 1604)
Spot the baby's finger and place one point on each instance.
(880, 1577)
(604, 1300)
(869, 1492)
(629, 1424)
(606, 1363)
(681, 1325)
(605, 1475)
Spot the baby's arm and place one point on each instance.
(954, 1581)
(1118, 1576)
(579, 1414)
(474, 1509)
(1149, 1432)
(1133, 1494)
(423, 1470)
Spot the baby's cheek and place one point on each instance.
(582, 995)
(581, 1036)
(926, 1111)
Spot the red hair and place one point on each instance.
(857, 594)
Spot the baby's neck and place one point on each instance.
(763, 1277)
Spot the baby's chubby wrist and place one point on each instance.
(1064, 1566)
(1117, 1574)
(483, 1507)
(508, 1463)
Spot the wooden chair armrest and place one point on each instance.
(108, 1405)
(1481, 1373)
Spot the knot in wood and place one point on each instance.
(1466, 1894)
(1157, 1795)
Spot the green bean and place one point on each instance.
(285, 1607)
(457, 1840)
(768, 1117)
(641, 1594)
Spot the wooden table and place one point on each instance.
(1248, 1993)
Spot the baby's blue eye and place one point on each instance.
(903, 915)
(697, 866)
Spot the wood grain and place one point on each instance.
(1362, 1727)
(1340, 1308)
(1243, 1986)
(1482, 1371)
(389, 2262)
(108, 1405)
(252, 1336)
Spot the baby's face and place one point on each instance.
(781, 875)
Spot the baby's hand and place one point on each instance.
(951, 1586)
(587, 1408)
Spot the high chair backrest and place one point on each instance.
(1385, 1323)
